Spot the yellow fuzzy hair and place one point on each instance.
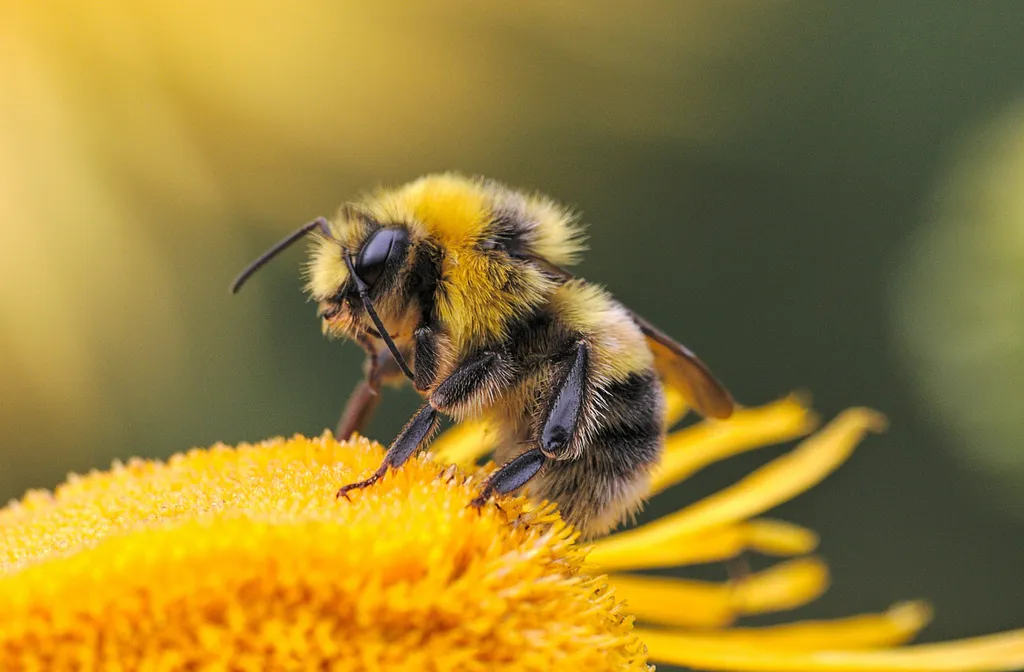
(618, 347)
(455, 212)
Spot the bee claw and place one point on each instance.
(481, 499)
(344, 490)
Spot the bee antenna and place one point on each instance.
(364, 294)
(282, 245)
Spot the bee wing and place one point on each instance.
(677, 365)
(683, 370)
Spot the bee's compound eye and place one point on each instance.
(384, 246)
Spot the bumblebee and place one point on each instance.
(459, 285)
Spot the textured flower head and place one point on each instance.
(242, 558)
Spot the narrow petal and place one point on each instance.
(464, 444)
(687, 603)
(675, 406)
(774, 483)
(685, 452)
(693, 448)
(992, 653)
(772, 537)
(899, 624)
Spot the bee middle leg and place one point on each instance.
(415, 434)
(478, 376)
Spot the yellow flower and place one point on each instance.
(242, 558)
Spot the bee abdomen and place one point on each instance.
(607, 482)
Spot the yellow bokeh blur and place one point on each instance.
(138, 142)
(959, 305)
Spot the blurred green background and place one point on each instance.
(816, 196)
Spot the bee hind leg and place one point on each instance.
(557, 433)
(511, 476)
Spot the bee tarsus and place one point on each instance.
(511, 476)
(413, 436)
(377, 475)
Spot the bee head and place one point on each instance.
(358, 272)
(355, 273)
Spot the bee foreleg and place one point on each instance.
(365, 397)
(511, 476)
(414, 435)
(359, 409)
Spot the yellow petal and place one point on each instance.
(693, 448)
(897, 625)
(992, 653)
(685, 452)
(675, 405)
(464, 444)
(682, 602)
(772, 537)
(778, 481)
